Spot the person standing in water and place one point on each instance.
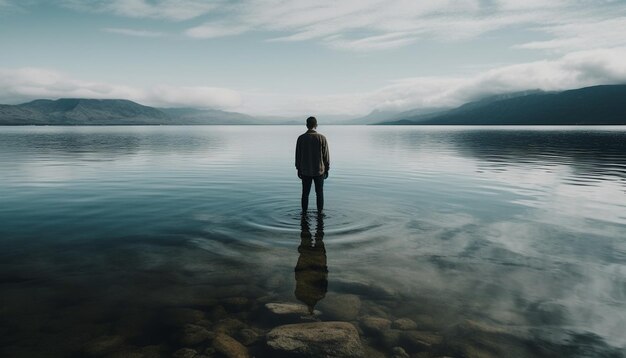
(312, 163)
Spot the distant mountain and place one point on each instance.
(81, 111)
(74, 111)
(377, 116)
(597, 105)
(208, 116)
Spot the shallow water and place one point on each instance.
(498, 241)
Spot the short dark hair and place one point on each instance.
(311, 122)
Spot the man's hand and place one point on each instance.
(299, 174)
(326, 174)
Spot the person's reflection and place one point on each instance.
(311, 270)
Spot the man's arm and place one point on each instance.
(326, 155)
(298, 149)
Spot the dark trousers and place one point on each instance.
(319, 191)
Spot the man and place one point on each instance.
(312, 163)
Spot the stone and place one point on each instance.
(363, 288)
(374, 325)
(103, 345)
(284, 309)
(229, 326)
(426, 322)
(479, 339)
(399, 352)
(247, 336)
(420, 340)
(341, 307)
(204, 323)
(404, 324)
(185, 353)
(371, 352)
(229, 347)
(284, 313)
(373, 309)
(390, 338)
(192, 335)
(317, 339)
(217, 313)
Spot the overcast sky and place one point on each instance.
(292, 57)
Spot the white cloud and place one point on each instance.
(382, 24)
(574, 70)
(193, 96)
(212, 30)
(176, 10)
(24, 84)
(582, 35)
(133, 32)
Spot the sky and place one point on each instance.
(341, 58)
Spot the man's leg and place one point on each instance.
(319, 192)
(306, 189)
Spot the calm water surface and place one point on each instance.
(495, 241)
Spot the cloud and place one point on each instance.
(574, 70)
(24, 84)
(581, 35)
(212, 30)
(381, 24)
(192, 96)
(133, 32)
(176, 10)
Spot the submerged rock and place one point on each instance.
(286, 309)
(247, 336)
(185, 353)
(374, 325)
(229, 347)
(399, 352)
(218, 312)
(390, 338)
(363, 288)
(317, 339)
(229, 326)
(341, 307)
(371, 352)
(404, 324)
(193, 334)
(420, 340)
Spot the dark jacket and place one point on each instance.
(312, 157)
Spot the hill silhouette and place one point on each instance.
(597, 105)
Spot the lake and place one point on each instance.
(445, 241)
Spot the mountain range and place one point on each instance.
(597, 105)
(82, 111)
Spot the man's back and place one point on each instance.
(312, 156)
